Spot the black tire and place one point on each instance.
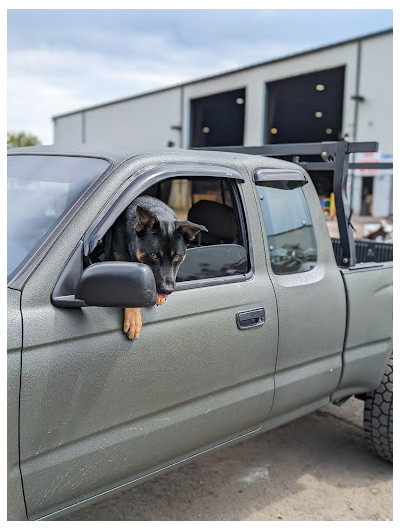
(378, 416)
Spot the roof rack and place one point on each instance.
(334, 157)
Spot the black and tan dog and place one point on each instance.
(148, 232)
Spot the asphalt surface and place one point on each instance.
(315, 468)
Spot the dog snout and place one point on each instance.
(167, 287)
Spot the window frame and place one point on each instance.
(141, 181)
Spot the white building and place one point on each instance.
(341, 90)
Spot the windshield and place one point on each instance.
(40, 190)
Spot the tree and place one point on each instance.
(22, 139)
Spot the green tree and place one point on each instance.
(22, 139)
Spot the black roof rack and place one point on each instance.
(334, 157)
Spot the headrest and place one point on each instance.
(217, 218)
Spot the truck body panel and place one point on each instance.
(368, 342)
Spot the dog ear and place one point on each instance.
(144, 219)
(190, 230)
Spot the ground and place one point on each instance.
(315, 468)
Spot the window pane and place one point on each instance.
(291, 239)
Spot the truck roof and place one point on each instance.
(118, 154)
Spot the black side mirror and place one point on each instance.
(117, 284)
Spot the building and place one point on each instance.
(344, 90)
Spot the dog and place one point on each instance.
(149, 232)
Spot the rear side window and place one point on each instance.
(290, 233)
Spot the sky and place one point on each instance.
(63, 60)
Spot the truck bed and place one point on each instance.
(366, 251)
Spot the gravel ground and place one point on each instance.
(315, 468)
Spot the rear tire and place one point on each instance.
(378, 416)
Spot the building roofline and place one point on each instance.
(223, 74)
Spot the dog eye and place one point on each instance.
(154, 256)
(176, 258)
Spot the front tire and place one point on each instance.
(378, 416)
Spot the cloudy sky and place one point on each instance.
(66, 59)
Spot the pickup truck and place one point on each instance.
(264, 325)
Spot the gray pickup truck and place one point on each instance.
(265, 324)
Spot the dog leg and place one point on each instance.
(132, 322)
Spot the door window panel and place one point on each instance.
(213, 203)
(290, 233)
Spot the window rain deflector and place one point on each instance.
(284, 179)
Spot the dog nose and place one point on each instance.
(167, 287)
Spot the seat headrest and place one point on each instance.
(217, 218)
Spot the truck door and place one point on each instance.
(99, 411)
(308, 287)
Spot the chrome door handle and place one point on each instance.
(250, 318)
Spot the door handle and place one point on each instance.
(250, 318)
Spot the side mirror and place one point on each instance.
(120, 284)
(113, 284)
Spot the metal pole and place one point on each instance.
(343, 213)
(355, 125)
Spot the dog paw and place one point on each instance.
(132, 323)
(160, 300)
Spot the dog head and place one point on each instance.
(161, 243)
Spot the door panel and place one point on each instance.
(310, 297)
(312, 321)
(98, 410)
